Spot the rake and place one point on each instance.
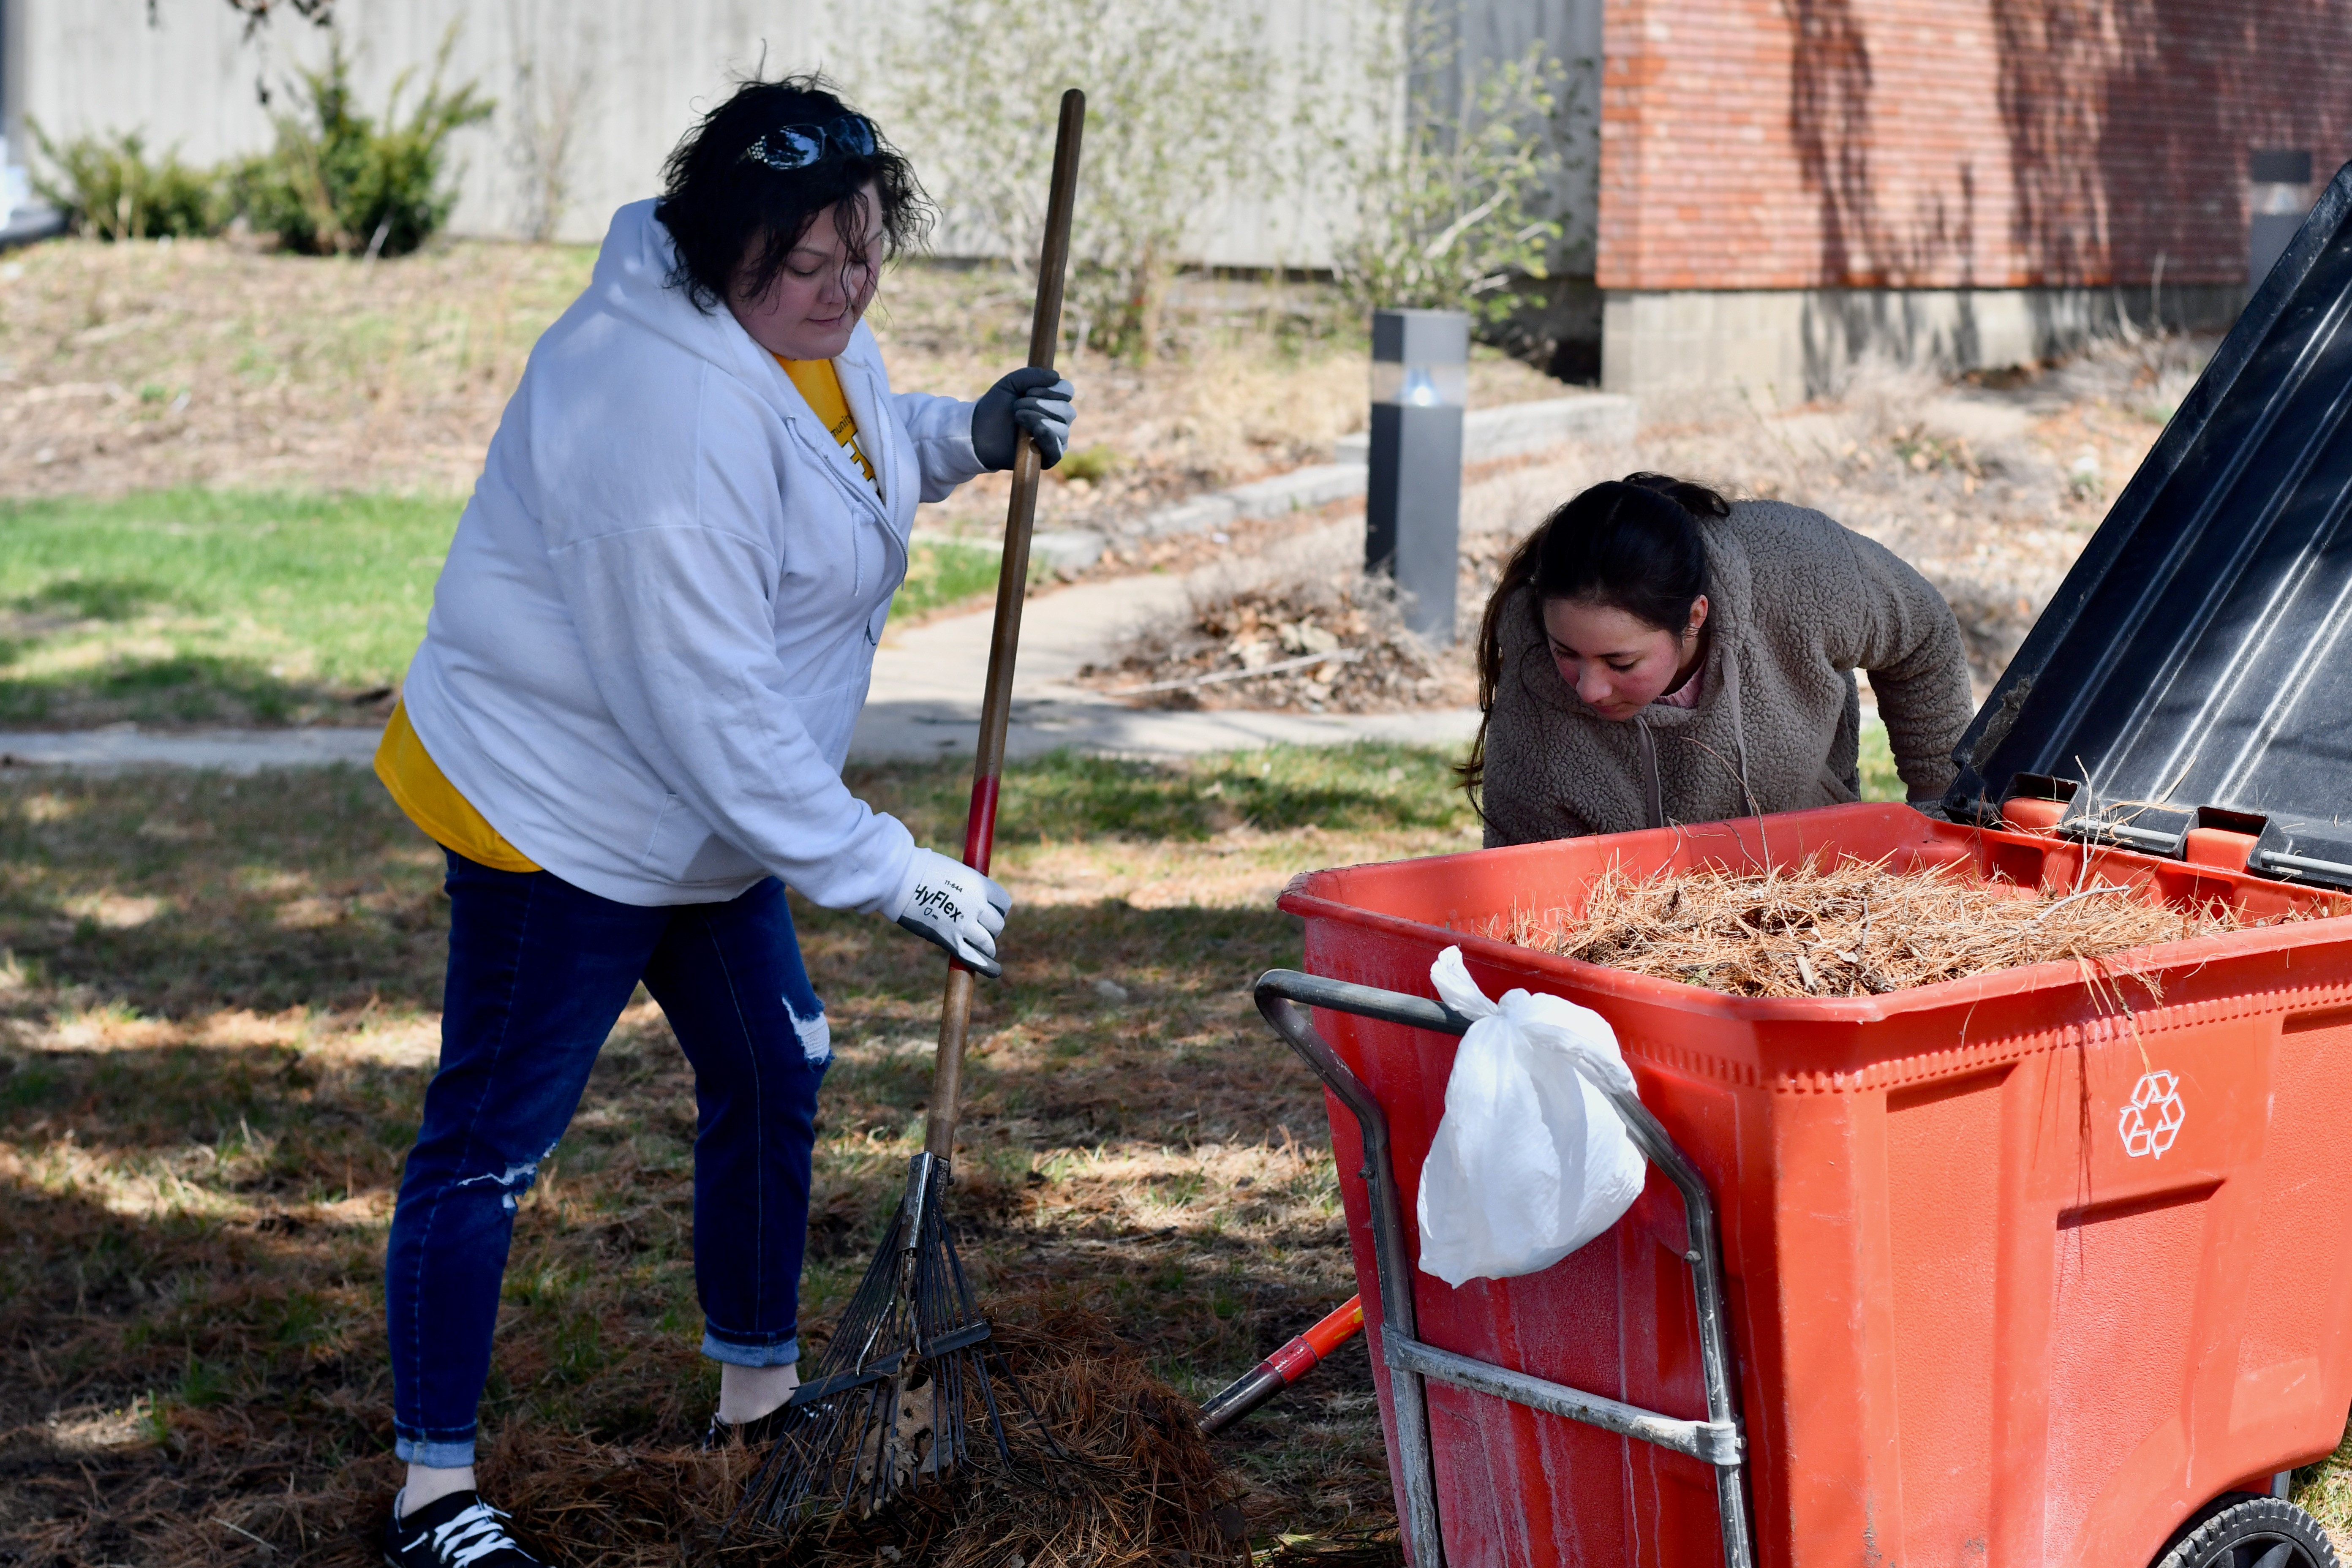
(891, 1404)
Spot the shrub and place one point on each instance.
(337, 182)
(1175, 91)
(114, 189)
(1452, 199)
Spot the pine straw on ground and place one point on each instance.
(1327, 643)
(1853, 928)
(1138, 1484)
(1133, 1482)
(1141, 1485)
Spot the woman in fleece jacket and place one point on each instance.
(1654, 655)
(626, 726)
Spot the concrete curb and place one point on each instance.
(1487, 434)
(1513, 429)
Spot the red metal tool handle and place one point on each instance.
(1012, 587)
(1283, 1368)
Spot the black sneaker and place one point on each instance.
(757, 1433)
(459, 1531)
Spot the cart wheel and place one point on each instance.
(2244, 1529)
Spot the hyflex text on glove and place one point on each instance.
(948, 902)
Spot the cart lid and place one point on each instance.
(2194, 669)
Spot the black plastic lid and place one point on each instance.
(2195, 667)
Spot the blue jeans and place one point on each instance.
(539, 972)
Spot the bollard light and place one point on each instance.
(1412, 505)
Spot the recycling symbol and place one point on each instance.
(2152, 1120)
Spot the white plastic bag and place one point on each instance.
(1530, 1161)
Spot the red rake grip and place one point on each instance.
(980, 823)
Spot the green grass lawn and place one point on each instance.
(191, 605)
(1879, 779)
(200, 607)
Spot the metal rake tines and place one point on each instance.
(892, 1402)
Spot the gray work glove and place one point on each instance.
(1031, 399)
(948, 902)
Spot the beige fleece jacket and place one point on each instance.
(1797, 605)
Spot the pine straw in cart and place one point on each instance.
(1855, 927)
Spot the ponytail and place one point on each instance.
(1633, 544)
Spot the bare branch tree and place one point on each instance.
(318, 13)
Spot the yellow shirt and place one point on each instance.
(433, 803)
(819, 386)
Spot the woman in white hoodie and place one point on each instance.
(626, 727)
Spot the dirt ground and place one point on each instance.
(218, 1009)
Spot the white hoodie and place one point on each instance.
(657, 620)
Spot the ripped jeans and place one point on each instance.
(538, 971)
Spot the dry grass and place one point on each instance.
(146, 365)
(2325, 1488)
(1117, 1474)
(1979, 487)
(218, 1008)
(143, 366)
(125, 368)
(1141, 1485)
(1989, 485)
(1853, 927)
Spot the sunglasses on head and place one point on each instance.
(798, 146)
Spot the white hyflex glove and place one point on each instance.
(948, 902)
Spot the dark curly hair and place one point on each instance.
(734, 219)
(1631, 544)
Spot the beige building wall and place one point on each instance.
(591, 94)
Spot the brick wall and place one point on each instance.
(1942, 143)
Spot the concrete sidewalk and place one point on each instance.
(237, 751)
(927, 683)
(924, 703)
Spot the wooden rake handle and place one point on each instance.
(1012, 587)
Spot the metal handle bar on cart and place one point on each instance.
(1715, 1441)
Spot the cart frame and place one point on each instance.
(1284, 996)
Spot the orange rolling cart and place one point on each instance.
(2016, 1271)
